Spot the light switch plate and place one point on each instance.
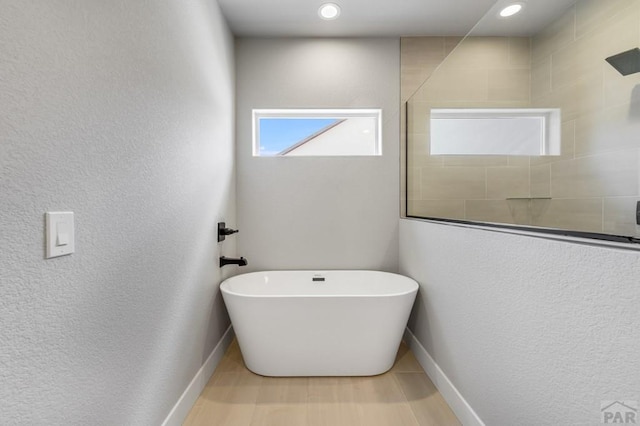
(60, 234)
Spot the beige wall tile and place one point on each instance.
(600, 112)
(620, 90)
(571, 214)
(428, 161)
(509, 85)
(418, 51)
(449, 183)
(418, 144)
(612, 129)
(620, 216)
(451, 42)
(507, 182)
(413, 183)
(419, 57)
(498, 211)
(593, 14)
(518, 160)
(545, 100)
(446, 209)
(567, 145)
(419, 95)
(418, 116)
(606, 175)
(554, 37)
(575, 61)
(580, 97)
(480, 104)
(461, 84)
(574, 99)
(541, 180)
(585, 57)
(520, 52)
(475, 160)
(412, 79)
(541, 78)
(479, 53)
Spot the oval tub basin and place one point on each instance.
(319, 323)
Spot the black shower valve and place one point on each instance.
(223, 231)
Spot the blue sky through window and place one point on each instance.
(277, 134)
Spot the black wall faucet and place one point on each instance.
(231, 261)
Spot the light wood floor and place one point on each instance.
(403, 396)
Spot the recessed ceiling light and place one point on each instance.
(329, 11)
(511, 10)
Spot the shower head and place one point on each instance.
(626, 62)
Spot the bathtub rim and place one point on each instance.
(225, 290)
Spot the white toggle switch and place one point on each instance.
(60, 238)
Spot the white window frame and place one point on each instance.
(317, 113)
(549, 122)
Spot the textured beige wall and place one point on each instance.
(594, 184)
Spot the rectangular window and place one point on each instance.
(515, 131)
(316, 132)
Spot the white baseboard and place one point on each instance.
(193, 391)
(456, 401)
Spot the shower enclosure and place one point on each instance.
(524, 123)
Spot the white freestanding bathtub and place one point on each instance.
(327, 323)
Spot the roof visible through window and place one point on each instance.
(277, 135)
(312, 133)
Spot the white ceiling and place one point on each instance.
(384, 18)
